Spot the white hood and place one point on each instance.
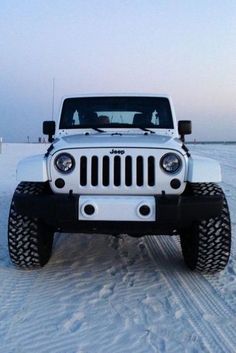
(117, 140)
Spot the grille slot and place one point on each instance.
(140, 171)
(151, 171)
(83, 171)
(128, 171)
(94, 171)
(117, 176)
(105, 171)
(117, 171)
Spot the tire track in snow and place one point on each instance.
(189, 289)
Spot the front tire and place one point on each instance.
(206, 244)
(29, 239)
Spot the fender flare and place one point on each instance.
(203, 170)
(33, 168)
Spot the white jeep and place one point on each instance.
(118, 164)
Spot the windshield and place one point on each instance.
(110, 112)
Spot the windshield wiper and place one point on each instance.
(144, 129)
(96, 129)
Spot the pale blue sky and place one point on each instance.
(186, 48)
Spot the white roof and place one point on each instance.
(131, 94)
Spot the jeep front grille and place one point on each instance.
(120, 171)
(116, 171)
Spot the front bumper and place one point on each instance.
(170, 212)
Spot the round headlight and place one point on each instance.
(65, 163)
(170, 162)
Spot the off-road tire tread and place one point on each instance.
(29, 240)
(206, 246)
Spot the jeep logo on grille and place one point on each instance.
(117, 151)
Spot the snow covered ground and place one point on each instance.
(101, 294)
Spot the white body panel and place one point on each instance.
(203, 170)
(116, 208)
(135, 139)
(32, 169)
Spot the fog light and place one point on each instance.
(144, 210)
(175, 183)
(60, 183)
(89, 210)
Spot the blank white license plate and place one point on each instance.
(117, 208)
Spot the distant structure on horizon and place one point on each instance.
(210, 142)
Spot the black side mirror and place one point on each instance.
(184, 128)
(49, 128)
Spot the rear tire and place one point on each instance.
(206, 244)
(29, 239)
